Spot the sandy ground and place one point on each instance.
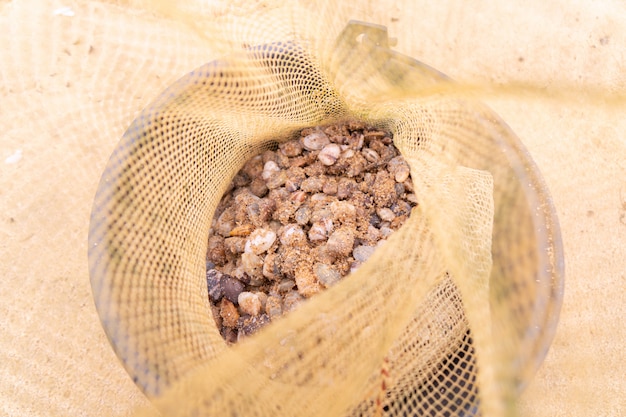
(71, 84)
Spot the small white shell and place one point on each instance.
(348, 153)
(399, 168)
(412, 198)
(270, 270)
(252, 264)
(315, 141)
(359, 143)
(402, 175)
(292, 235)
(260, 241)
(370, 155)
(269, 168)
(329, 154)
(317, 232)
(298, 196)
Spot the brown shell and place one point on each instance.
(243, 230)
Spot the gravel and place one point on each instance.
(296, 220)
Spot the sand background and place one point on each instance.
(69, 85)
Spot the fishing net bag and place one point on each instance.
(451, 316)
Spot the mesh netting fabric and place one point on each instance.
(75, 74)
(450, 317)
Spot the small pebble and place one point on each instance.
(322, 254)
(270, 267)
(259, 211)
(383, 189)
(375, 134)
(262, 297)
(229, 313)
(320, 214)
(362, 253)
(286, 285)
(252, 264)
(292, 235)
(330, 187)
(408, 185)
(235, 244)
(399, 169)
(375, 220)
(326, 274)
(306, 282)
(214, 283)
(360, 140)
(258, 187)
(386, 232)
(241, 180)
(291, 300)
(254, 167)
(248, 325)
(298, 197)
(356, 165)
(225, 223)
(347, 154)
(249, 303)
(216, 251)
(385, 214)
(291, 148)
(313, 184)
(273, 307)
(370, 155)
(260, 241)
(232, 287)
(346, 187)
(303, 215)
(401, 208)
(282, 160)
(276, 179)
(400, 190)
(229, 334)
(320, 199)
(269, 168)
(318, 232)
(329, 154)
(343, 212)
(373, 234)
(275, 226)
(240, 274)
(384, 153)
(341, 241)
(315, 141)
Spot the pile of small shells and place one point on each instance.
(296, 220)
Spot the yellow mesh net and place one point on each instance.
(450, 317)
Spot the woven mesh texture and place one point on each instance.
(450, 317)
(75, 74)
